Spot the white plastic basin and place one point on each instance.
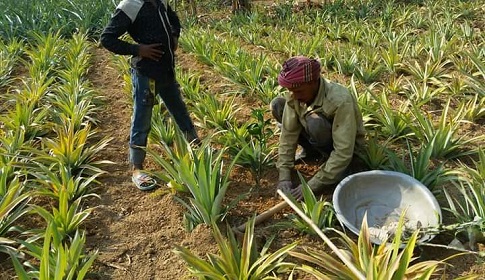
(384, 195)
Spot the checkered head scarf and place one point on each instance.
(298, 70)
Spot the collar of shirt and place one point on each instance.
(322, 93)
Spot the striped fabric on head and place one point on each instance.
(298, 70)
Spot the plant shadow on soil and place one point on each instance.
(134, 232)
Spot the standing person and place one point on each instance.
(320, 115)
(155, 29)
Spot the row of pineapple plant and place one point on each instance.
(254, 74)
(345, 66)
(49, 158)
(443, 146)
(20, 18)
(442, 141)
(180, 183)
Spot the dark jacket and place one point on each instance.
(146, 24)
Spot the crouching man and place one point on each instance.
(321, 116)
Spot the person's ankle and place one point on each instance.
(136, 167)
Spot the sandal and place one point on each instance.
(143, 181)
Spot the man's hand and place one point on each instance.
(152, 51)
(297, 193)
(285, 186)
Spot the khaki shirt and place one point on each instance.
(340, 107)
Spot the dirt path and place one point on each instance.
(134, 231)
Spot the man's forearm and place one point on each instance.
(118, 46)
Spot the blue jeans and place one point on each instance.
(143, 102)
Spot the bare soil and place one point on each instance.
(135, 232)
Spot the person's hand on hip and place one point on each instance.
(152, 51)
